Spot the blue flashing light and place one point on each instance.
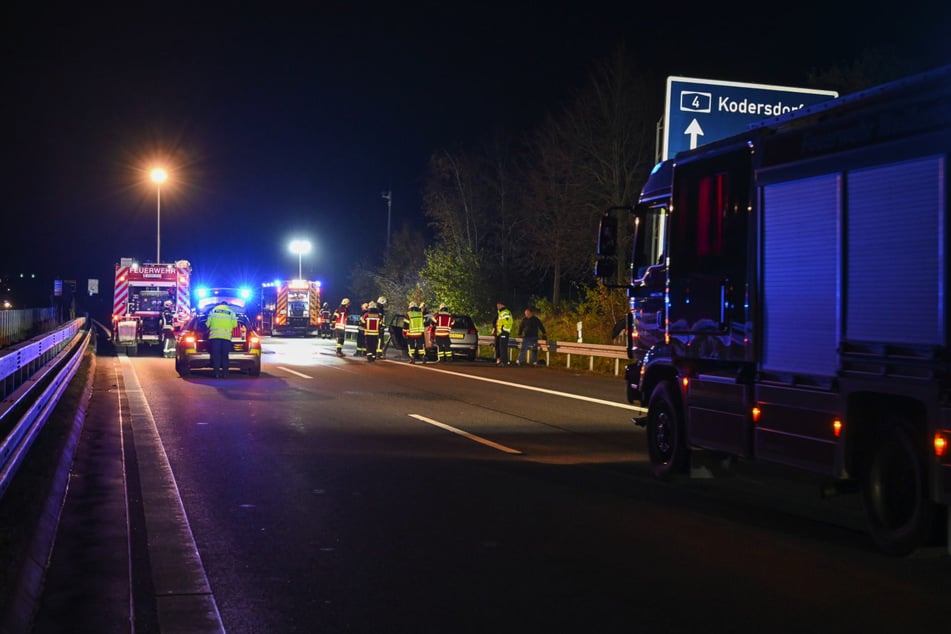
(201, 292)
(244, 292)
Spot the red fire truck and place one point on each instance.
(297, 310)
(150, 302)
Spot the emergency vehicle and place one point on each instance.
(297, 308)
(150, 302)
(790, 303)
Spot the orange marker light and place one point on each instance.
(837, 428)
(757, 412)
(685, 383)
(940, 445)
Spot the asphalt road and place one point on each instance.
(333, 495)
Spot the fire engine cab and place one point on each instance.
(151, 302)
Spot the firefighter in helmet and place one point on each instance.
(381, 306)
(413, 333)
(372, 325)
(442, 320)
(361, 350)
(340, 323)
(326, 327)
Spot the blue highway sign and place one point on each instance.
(699, 111)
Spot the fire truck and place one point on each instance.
(297, 309)
(151, 302)
(790, 303)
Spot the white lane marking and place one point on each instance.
(294, 372)
(466, 434)
(578, 397)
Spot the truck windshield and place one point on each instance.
(648, 248)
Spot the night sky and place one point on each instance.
(277, 123)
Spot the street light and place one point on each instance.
(300, 247)
(159, 176)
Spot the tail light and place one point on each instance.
(189, 338)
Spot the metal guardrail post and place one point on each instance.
(568, 348)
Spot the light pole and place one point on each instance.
(300, 247)
(159, 176)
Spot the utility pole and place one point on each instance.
(388, 197)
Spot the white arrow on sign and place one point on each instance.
(694, 130)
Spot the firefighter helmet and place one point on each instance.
(371, 305)
(364, 306)
(381, 300)
(345, 301)
(443, 308)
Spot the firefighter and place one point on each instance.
(340, 323)
(361, 350)
(168, 328)
(413, 333)
(502, 330)
(221, 323)
(372, 324)
(381, 306)
(325, 325)
(443, 326)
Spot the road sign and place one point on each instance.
(699, 111)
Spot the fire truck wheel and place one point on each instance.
(895, 490)
(182, 369)
(666, 441)
(255, 370)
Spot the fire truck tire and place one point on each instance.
(132, 351)
(255, 370)
(666, 440)
(182, 368)
(900, 514)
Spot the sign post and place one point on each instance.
(700, 111)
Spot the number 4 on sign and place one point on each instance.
(694, 130)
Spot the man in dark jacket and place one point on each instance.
(529, 330)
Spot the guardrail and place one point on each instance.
(568, 348)
(33, 377)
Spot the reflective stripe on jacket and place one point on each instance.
(443, 324)
(413, 324)
(221, 322)
(504, 322)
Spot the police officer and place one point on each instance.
(340, 323)
(413, 333)
(442, 321)
(221, 322)
(502, 331)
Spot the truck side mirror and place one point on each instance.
(607, 236)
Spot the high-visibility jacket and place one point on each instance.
(371, 322)
(221, 322)
(443, 324)
(340, 318)
(413, 324)
(503, 324)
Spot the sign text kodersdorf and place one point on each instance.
(727, 104)
(700, 111)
